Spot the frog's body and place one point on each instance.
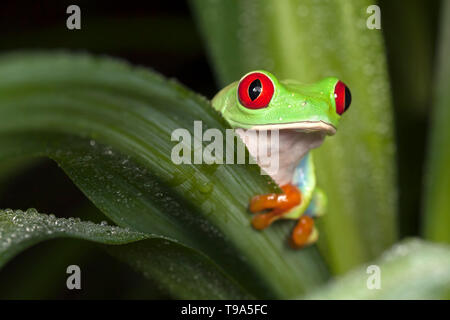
(313, 199)
(303, 115)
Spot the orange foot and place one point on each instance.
(277, 203)
(304, 233)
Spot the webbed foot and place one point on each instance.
(304, 233)
(277, 203)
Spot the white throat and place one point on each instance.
(292, 146)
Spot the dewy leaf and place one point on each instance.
(178, 269)
(437, 203)
(412, 269)
(109, 127)
(307, 40)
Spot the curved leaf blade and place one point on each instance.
(412, 269)
(181, 271)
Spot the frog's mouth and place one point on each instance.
(303, 126)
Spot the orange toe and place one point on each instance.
(263, 220)
(302, 231)
(263, 202)
(290, 197)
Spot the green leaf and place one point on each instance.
(437, 203)
(308, 40)
(412, 269)
(410, 37)
(178, 269)
(109, 127)
(410, 40)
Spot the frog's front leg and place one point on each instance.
(278, 204)
(281, 205)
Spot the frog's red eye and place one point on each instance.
(255, 90)
(342, 97)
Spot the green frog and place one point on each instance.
(303, 115)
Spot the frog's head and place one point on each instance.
(260, 102)
(302, 114)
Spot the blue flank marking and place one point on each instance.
(302, 173)
(302, 177)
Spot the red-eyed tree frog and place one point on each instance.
(303, 114)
